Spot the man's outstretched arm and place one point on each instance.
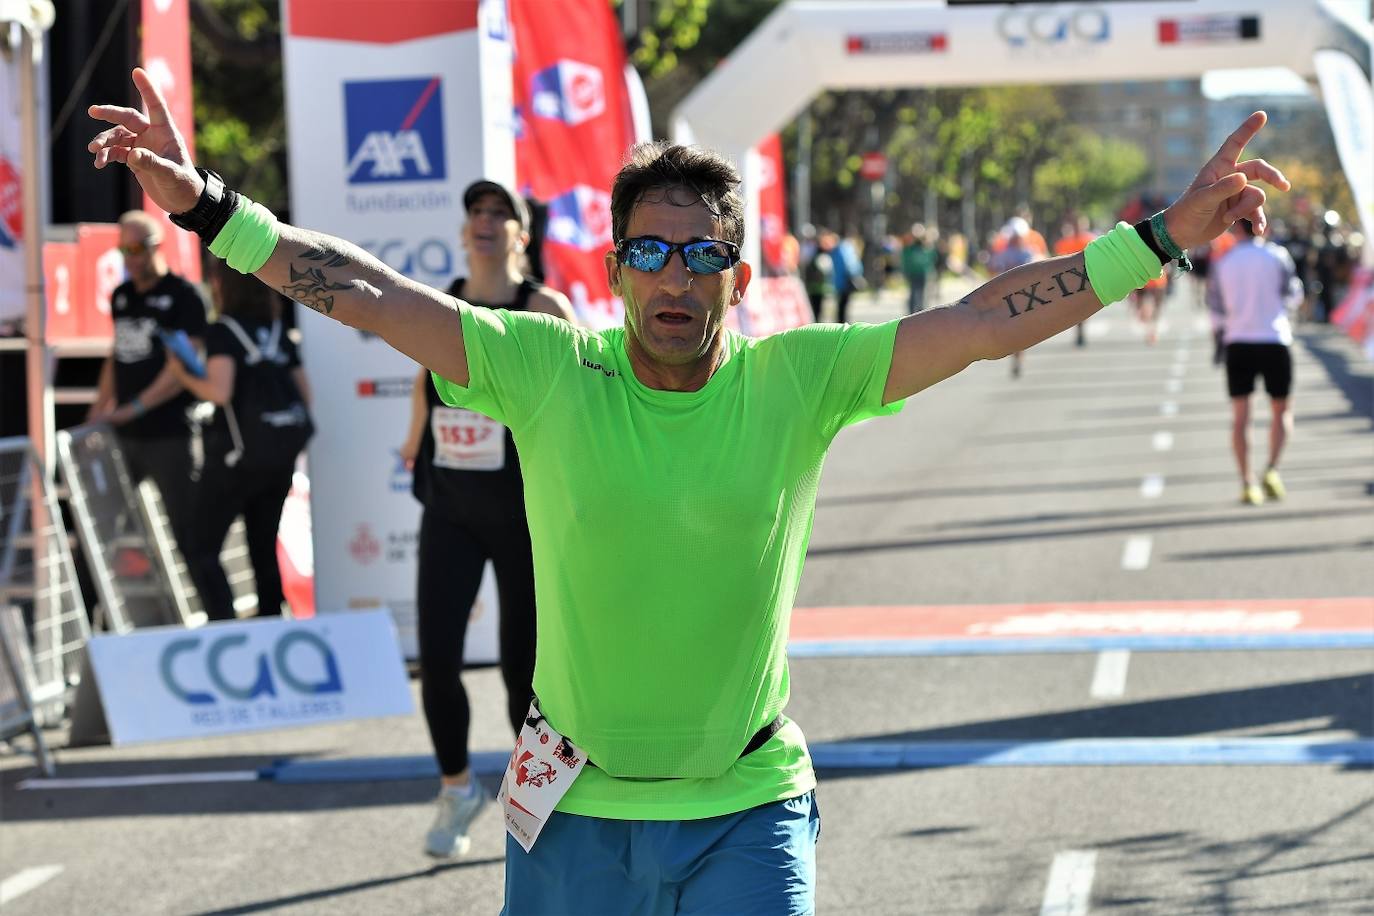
(331, 276)
(1024, 306)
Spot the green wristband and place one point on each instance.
(248, 238)
(1166, 241)
(1118, 263)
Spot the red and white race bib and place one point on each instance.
(467, 441)
(541, 770)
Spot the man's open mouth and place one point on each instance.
(672, 317)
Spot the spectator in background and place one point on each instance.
(1251, 291)
(467, 478)
(253, 376)
(816, 276)
(846, 276)
(139, 393)
(918, 266)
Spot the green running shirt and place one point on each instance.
(669, 531)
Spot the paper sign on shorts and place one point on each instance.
(163, 683)
(541, 770)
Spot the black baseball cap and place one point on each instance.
(487, 186)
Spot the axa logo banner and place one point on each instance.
(581, 217)
(169, 682)
(394, 130)
(569, 91)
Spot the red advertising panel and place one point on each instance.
(167, 58)
(573, 128)
(99, 269)
(59, 282)
(773, 206)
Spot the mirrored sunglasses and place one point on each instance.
(138, 248)
(700, 256)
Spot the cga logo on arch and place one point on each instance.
(299, 661)
(1022, 28)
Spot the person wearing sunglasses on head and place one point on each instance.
(467, 478)
(139, 393)
(671, 468)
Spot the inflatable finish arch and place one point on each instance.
(807, 46)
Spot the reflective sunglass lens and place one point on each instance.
(707, 258)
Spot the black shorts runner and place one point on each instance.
(1244, 361)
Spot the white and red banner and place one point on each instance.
(166, 27)
(393, 109)
(11, 191)
(574, 125)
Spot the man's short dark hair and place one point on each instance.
(662, 166)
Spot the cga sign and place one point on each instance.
(168, 682)
(1021, 28)
(316, 669)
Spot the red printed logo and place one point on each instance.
(364, 547)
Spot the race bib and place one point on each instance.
(467, 441)
(541, 770)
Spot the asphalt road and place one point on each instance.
(987, 490)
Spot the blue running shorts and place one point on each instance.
(760, 862)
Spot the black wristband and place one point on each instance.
(216, 204)
(1147, 235)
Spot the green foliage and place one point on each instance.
(239, 106)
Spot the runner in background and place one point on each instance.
(467, 478)
(1016, 251)
(1074, 236)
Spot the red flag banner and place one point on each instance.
(167, 58)
(573, 127)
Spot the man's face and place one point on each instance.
(492, 229)
(671, 314)
(139, 249)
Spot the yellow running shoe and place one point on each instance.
(1273, 484)
(1252, 495)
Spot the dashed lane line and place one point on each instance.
(1135, 555)
(1162, 441)
(1070, 885)
(22, 882)
(1152, 486)
(1109, 677)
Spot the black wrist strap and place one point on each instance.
(212, 210)
(1147, 235)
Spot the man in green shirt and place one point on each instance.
(671, 473)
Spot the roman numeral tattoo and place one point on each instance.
(311, 288)
(1069, 281)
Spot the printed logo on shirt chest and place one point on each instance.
(161, 303)
(609, 373)
(133, 339)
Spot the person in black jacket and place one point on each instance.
(467, 476)
(252, 368)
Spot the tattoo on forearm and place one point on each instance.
(1032, 300)
(329, 258)
(311, 288)
(1030, 297)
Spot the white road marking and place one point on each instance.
(1173, 385)
(1070, 884)
(26, 880)
(1109, 677)
(155, 779)
(1152, 486)
(1163, 441)
(1136, 554)
(1178, 370)
(1168, 409)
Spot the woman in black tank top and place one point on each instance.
(467, 478)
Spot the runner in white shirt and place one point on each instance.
(1250, 292)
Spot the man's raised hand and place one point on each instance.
(1224, 191)
(150, 145)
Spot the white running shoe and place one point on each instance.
(449, 834)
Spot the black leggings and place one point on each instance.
(451, 558)
(257, 495)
